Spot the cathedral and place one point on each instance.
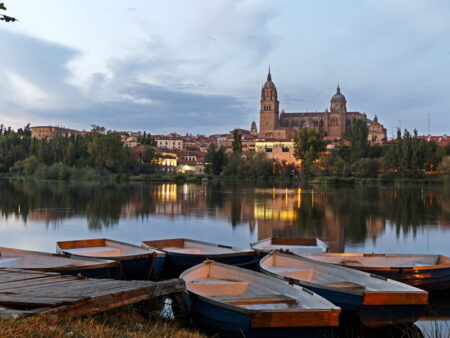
(333, 122)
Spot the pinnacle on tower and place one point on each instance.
(269, 76)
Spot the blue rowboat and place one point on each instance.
(428, 272)
(135, 262)
(374, 300)
(43, 261)
(294, 245)
(182, 253)
(246, 303)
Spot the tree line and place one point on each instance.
(97, 153)
(407, 156)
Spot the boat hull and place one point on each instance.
(232, 322)
(353, 307)
(141, 268)
(434, 279)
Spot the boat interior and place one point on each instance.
(381, 260)
(100, 247)
(21, 259)
(329, 275)
(293, 244)
(186, 246)
(247, 289)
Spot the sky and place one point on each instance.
(198, 66)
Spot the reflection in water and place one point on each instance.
(357, 218)
(340, 216)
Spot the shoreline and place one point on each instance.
(442, 179)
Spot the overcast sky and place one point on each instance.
(198, 66)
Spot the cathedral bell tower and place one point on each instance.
(269, 111)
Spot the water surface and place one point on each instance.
(388, 219)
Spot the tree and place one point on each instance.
(237, 142)
(215, 159)
(307, 148)
(358, 140)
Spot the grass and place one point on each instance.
(118, 323)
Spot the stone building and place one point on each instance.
(334, 122)
(50, 132)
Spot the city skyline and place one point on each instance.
(199, 68)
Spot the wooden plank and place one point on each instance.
(165, 243)
(30, 282)
(307, 241)
(256, 299)
(294, 318)
(17, 276)
(48, 290)
(395, 298)
(106, 302)
(83, 290)
(83, 243)
(33, 301)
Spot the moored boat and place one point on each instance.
(374, 300)
(428, 272)
(295, 245)
(43, 261)
(182, 253)
(135, 262)
(243, 302)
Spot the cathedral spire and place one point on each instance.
(338, 89)
(269, 76)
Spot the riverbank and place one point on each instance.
(441, 179)
(118, 323)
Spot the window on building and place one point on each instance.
(285, 149)
(268, 150)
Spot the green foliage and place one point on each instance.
(26, 167)
(193, 148)
(59, 157)
(308, 147)
(411, 156)
(358, 140)
(107, 151)
(215, 159)
(237, 142)
(365, 167)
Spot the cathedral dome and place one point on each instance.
(338, 95)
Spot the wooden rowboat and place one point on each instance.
(182, 253)
(428, 272)
(297, 246)
(247, 303)
(376, 301)
(135, 262)
(43, 261)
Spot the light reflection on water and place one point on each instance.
(359, 219)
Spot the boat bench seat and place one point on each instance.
(347, 285)
(217, 287)
(194, 251)
(292, 272)
(256, 299)
(97, 251)
(351, 262)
